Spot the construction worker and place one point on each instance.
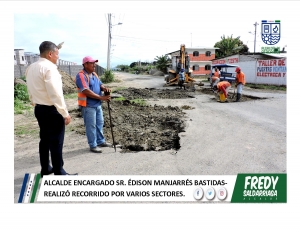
(90, 100)
(240, 81)
(181, 79)
(223, 87)
(178, 66)
(216, 77)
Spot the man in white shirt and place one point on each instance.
(44, 87)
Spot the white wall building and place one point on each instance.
(19, 57)
(260, 68)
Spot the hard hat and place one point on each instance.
(237, 69)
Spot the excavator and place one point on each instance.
(182, 62)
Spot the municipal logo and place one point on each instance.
(270, 31)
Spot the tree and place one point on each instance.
(133, 64)
(123, 67)
(230, 46)
(162, 63)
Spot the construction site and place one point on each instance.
(161, 130)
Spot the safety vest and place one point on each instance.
(81, 96)
(216, 76)
(240, 78)
(225, 84)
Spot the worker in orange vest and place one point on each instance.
(216, 77)
(223, 87)
(240, 82)
(90, 98)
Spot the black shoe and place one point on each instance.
(96, 150)
(48, 173)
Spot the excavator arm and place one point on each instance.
(185, 64)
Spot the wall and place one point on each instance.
(271, 71)
(234, 59)
(248, 68)
(19, 71)
(250, 64)
(201, 71)
(256, 73)
(72, 70)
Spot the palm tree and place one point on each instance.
(229, 46)
(162, 63)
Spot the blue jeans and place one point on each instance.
(93, 121)
(239, 88)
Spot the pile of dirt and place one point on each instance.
(158, 73)
(139, 127)
(68, 82)
(152, 93)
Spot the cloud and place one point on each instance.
(144, 34)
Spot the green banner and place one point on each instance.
(260, 188)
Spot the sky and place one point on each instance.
(143, 34)
(149, 29)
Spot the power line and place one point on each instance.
(167, 41)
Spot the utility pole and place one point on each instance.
(255, 24)
(109, 42)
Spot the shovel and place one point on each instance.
(112, 134)
(233, 93)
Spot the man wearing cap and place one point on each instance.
(90, 98)
(240, 82)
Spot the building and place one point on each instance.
(26, 58)
(259, 68)
(23, 59)
(31, 57)
(200, 59)
(19, 57)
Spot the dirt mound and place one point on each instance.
(158, 73)
(151, 93)
(69, 85)
(140, 127)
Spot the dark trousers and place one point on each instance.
(52, 132)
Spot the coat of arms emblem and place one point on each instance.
(270, 31)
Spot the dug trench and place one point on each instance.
(139, 126)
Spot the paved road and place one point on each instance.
(220, 139)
